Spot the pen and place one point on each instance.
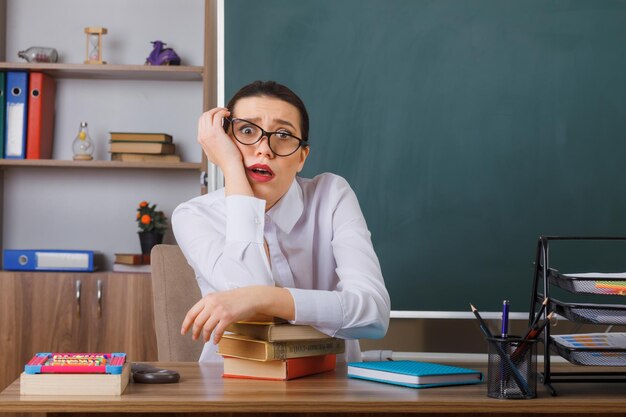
(505, 319)
(519, 379)
(504, 334)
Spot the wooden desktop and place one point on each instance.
(203, 390)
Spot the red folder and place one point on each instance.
(41, 98)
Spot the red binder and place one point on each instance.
(41, 98)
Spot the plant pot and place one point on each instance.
(148, 240)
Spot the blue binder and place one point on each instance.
(3, 101)
(16, 115)
(413, 374)
(50, 260)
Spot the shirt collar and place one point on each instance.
(288, 209)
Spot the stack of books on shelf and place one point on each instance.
(142, 147)
(275, 349)
(131, 262)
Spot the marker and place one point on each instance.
(505, 319)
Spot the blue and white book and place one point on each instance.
(413, 374)
(50, 260)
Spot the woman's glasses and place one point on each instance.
(281, 142)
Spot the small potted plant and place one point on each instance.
(152, 225)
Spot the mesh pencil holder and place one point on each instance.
(512, 368)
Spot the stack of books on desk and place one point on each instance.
(131, 262)
(141, 147)
(277, 350)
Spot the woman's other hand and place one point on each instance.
(216, 311)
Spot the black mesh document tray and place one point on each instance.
(589, 283)
(594, 356)
(591, 313)
(589, 352)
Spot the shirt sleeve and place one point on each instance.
(228, 258)
(359, 306)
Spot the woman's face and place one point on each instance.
(269, 175)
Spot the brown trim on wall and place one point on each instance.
(3, 29)
(209, 74)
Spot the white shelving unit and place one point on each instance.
(65, 204)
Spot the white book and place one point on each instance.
(132, 268)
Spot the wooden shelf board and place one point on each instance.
(98, 273)
(110, 71)
(55, 163)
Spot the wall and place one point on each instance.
(95, 209)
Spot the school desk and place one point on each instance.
(203, 390)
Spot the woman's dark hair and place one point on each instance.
(276, 90)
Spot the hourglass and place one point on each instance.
(94, 45)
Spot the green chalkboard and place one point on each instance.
(466, 127)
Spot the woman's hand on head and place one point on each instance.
(215, 142)
(216, 311)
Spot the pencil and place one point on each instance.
(532, 334)
(544, 305)
(481, 322)
(519, 379)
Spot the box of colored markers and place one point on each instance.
(75, 374)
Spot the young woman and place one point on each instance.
(270, 242)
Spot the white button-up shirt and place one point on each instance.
(320, 250)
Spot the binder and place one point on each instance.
(16, 115)
(2, 111)
(40, 131)
(50, 260)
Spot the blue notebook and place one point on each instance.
(413, 374)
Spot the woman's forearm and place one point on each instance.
(236, 182)
(276, 302)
